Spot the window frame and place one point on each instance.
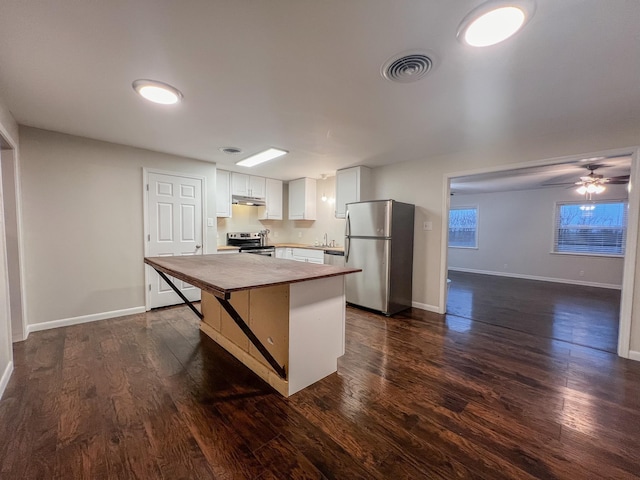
(476, 236)
(554, 228)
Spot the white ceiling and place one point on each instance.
(548, 176)
(305, 76)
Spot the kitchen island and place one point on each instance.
(282, 319)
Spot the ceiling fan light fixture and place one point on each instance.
(581, 190)
(495, 21)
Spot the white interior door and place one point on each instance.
(174, 206)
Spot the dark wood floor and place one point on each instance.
(416, 396)
(577, 314)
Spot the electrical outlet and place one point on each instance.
(581, 273)
(209, 222)
(428, 226)
(299, 234)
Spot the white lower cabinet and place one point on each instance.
(226, 252)
(308, 255)
(301, 254)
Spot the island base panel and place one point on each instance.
(316, 330)
(302, 326)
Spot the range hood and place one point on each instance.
(242, 200)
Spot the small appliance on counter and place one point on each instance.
(379, 240)
(255, 243)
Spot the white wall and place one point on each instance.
(82, 204)
(516, 229)
(9, 133)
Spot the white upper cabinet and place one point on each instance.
(240, 184)
(273, 199)
(247, 185)
(257, 187)
(352, 185)
(302, 199)
(223, 194)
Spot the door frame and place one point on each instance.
(629, 269)
(145, 202)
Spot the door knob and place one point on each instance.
(198, 246)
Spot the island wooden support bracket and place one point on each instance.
(280, 370)
(180, 294)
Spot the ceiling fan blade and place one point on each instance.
(620, 177)
(557, 184)
(617, 182)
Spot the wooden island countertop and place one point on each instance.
(221, 275)
(285, 320)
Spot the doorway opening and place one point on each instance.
(527, 250)
(11, 218)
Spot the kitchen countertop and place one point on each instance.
(310, 247)
(289, 245)
(221, 275)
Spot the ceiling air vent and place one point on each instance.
(406, 68)
(231, 150)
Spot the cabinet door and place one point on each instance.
(302, 199)
(257, 187)
(352, 185)
(240, 184)
(296, 199)
(273, 210)
(223, 194)
(280, 252)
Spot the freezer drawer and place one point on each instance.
(369, 288)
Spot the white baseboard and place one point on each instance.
(5, 378)
(17, 338)
(65, 322)
(424, 306)
(634, 355)
(534, 277)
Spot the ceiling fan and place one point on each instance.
(595, 183)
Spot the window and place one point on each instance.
(463, 227)
(597, 228)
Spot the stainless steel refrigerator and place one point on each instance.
(379, 240)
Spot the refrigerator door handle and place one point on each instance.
(347, 233)
(347, 249)
(347, 225)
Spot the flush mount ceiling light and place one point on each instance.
(262, 157)
(494, 21)
(157, 92)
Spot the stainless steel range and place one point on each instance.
(255, 243)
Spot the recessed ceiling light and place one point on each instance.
(494, 21)
(262, 157)
(157, 92)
